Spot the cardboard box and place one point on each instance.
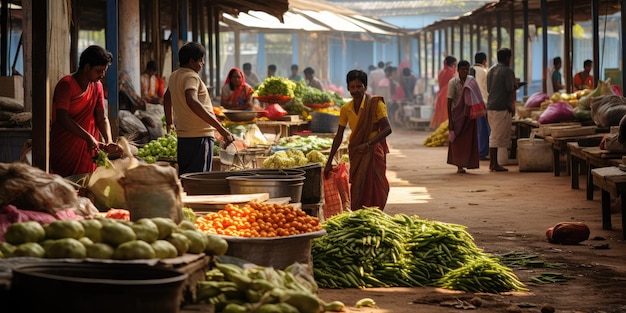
(12, 87)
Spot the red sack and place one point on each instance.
(568, 233)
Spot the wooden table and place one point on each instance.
(612, 182)
(282, 128)
(559, 145)
(588, 158)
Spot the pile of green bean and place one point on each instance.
(369, 248)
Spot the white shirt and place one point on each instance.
(481, 79)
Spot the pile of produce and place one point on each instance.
(258, 220)
(162, 148)
(313, 97)
(368, 248)
(262, 290)
(439, 137)
(276, 86)
(106, 238)
(292, 158)
(304, 143)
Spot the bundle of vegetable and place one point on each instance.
(276, 86)
(557, 112)
(286, 159)
(368, 248)
(482, 275)
(305, 143)
(439, 137)
(315, 96)
(165, 147)
(262, 289)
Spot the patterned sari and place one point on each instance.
(237, 98)
(70, 155)
(369, 185)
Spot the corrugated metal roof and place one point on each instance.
(411, 7)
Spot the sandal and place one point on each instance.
(499, 169)
(460, 171)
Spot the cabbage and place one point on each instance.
(534, 101)
(557, 112)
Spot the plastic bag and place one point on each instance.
(274, 111)
(337, 191)
(557, 112)
(332, 199)
(535, 100)
(254, 136)
(103, 183)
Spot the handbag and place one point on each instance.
(477, 110)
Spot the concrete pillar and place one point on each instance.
(129, 41)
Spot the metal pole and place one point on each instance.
(544, 43)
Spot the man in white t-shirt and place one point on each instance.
(375, 76)
(188, 107)
(479, 71)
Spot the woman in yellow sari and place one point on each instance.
(367, 118)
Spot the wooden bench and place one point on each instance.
(612, 181)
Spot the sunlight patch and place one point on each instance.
(415, 194)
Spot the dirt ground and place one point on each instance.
(505, 212)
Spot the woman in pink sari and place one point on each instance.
(236, 94)
(441, 103)
(80, 127)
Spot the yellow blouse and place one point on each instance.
(348, 117)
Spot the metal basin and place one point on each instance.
(276, 186)
(241, 115)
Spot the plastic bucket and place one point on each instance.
(534, 155)
(426, 111)
(276, 186)
(96, 288)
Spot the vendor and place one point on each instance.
(236, 94)
(80, 127)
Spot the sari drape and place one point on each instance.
(237, 97)
(463, 150)
(441, 103)
(69, 154)
(369, 185)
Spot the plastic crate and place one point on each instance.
(12, 142)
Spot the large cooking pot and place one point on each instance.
(277, 186)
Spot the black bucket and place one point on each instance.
(313, 190)
(96, 288)
(208, 183)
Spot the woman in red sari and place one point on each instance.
(441, 103)
(80, 127)
(236, 94)
(367, 117)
